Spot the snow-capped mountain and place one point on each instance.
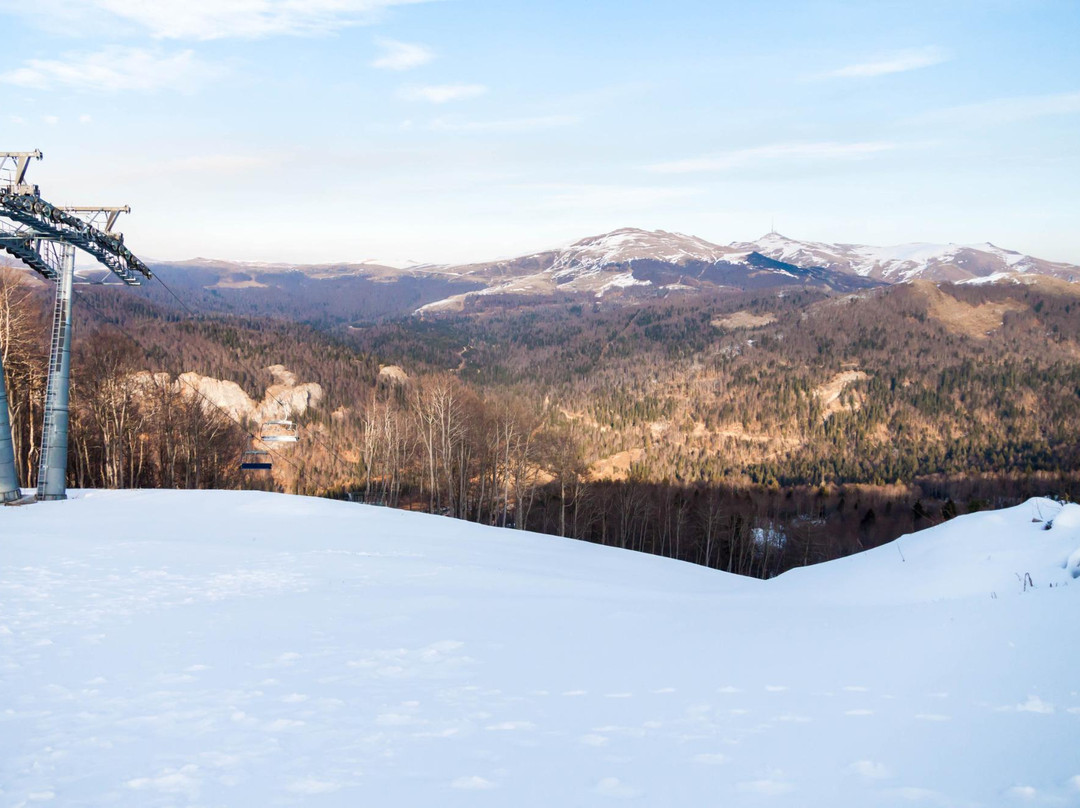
(657, 260)
(630, 244)
(629, 262)
(956, 263)
(636, 262)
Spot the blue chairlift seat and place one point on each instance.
(256, 460)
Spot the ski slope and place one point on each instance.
(251, 649)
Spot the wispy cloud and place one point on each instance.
(899, 62)
(604, 197)
(214, 164)
(504, 125)
(200, 168)
(775, 153)
(114, 69)
(213, 19)
(442, 93)
(1004, 110)
(402, 55)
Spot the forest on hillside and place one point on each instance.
(747, 432)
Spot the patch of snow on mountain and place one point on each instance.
(622, 281)
(997, 277)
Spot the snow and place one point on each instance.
(996, 277)
(622, 281)
(631, 244)
(903, 262)
(244, 648)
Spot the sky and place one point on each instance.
(463, 130)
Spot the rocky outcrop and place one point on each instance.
(285, 400)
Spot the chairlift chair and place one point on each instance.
(279, 432)
(255, 460)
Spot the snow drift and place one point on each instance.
(221, 648)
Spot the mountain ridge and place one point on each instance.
(952, 262)
(625, 264)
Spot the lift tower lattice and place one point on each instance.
(46, 238)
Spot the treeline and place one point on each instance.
(761, 531)
(956, 380)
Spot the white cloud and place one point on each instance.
(604, 197)
(1035, 705)
(504, 125)
(766, 788)
(86, 118)
(614, 787)
(185, 780)
(217, 164)
(871, 770)
(114, 69)
(893, 63)
(1005, 110)
(18, 120)
(210, 19)
(201, 168)
(773, 153)
(1026, 793)
(472, 784)
(51, 120)
(402, 55)
(441, 93)
(311, 786)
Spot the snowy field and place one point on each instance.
(250, 649)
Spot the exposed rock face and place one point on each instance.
(285, 400)
(392, 374)
(225, 394)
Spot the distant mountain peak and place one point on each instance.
(951, 262)
(634, 244)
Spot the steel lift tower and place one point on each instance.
(45, 237)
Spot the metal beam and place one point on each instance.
(9, 482)
(52, 474)
(91, 212)
(51, 222)
(20, 162)
(24, 248)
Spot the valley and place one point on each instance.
(679, 421)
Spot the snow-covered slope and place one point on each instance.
(212, 648)
(957, 263)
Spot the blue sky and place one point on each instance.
(453, 130)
